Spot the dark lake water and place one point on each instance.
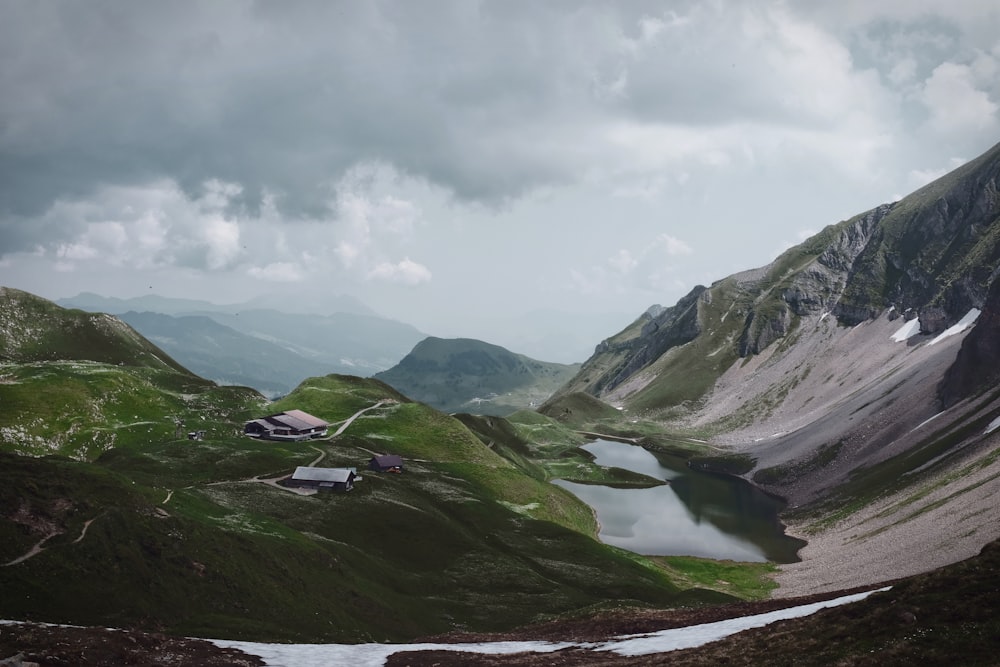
(696, 514)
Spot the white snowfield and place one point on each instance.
(912, 328)
(375, 655)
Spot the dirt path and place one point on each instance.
(34, 551)
(83, 533)
(319, 458)
(347, 422)
(39, 547)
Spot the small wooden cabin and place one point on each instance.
(386, 463)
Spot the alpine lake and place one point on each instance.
(693, 513)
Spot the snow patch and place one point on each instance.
(374, 655)
(959, 327)
(994, 425)
(926, 421)
(908, 330)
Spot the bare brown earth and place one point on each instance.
(61, 646)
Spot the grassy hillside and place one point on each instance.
(34, 329)
(81, 409)
(170, 534)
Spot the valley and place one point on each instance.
(852, 381)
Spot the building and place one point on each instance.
(386, 463)
(323, 479)
(293, 425)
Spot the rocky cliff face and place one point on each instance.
(977, 366)
(661, 330)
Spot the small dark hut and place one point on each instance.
(386, 463)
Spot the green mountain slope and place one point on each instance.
(34, 329)
(110, 515)
(466, 375)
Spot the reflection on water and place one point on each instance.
(696, 514)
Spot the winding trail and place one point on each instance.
(34, 551)
(83, 533)
(39, 547)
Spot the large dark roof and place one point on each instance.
(309, 474)
(307, 418)
(296, 420)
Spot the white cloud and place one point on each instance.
(277, 272)
(622, 261)
(404, 272)
(673, 246)
(954, 102)
(222, 240)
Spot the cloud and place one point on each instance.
(277, 272)
(378, 144)
(955, 103)
(651, 269)
(404, 272)
(485, 101)
(673, 246)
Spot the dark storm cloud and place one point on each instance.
(282, 97)
(486, 100)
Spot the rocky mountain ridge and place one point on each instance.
(932, 255)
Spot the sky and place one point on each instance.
(465, 165)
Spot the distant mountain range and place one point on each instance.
(269, 350)
(466, 375)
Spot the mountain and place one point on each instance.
(226, 356)
(34, 330)
(466, 375)
(855, 371)
(270, 350)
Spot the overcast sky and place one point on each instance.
(446, 162)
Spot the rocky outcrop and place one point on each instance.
(936, 251)
(977, 366)
(670, 328)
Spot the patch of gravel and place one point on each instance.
(904, 534)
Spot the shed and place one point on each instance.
(386, 463)
(323, 479)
